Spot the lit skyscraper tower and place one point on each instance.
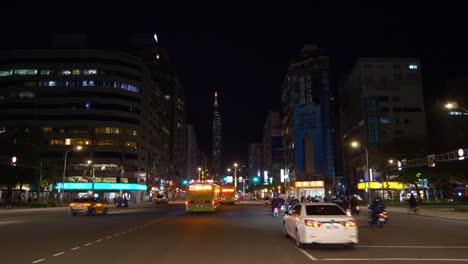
(216, 138)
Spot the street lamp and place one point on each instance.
(235, 176)
(199, 173)
(75, 148)
(356, 145)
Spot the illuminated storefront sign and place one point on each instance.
(309, 184)
(380, 185)
(101, 186)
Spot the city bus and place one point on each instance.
(202, 197)
(228, 194)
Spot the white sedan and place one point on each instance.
(320, 223)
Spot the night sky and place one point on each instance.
(243, 49)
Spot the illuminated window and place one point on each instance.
(5, 73)
(107, 130)
(29, 94)
(76, 72)
(85, 83)
(52, 83)
(130, 132)
(158, 56)
(107, 142)
(77, 141)
(46, 129)
(413, 67)
(65, 72)
(56, 142)
(78, 130)
(67, 141)
(90, 72)
(91, 83)
(25, 72)
(88, 105)
(131, 144)
(45, 72)
(2, 130)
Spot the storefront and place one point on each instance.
(309, 188)
(385, 190)
(132, 191)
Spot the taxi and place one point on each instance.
(89, 206)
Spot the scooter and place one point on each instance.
(379, 220)
(275, 212)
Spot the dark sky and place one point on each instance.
(243, 49)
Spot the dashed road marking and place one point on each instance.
(37, 261)
(108, 237)
(117, 234)
(99, 240)
(307, 254)
(124, 232)
(75, 248)
(58, 254)
(87, 244)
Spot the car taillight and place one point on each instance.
(349, 224)
(311, 223)
(72, 204)
(186, 203)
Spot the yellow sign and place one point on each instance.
(310, 184)
(380, 185)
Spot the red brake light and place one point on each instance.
(349, 223)
(311, 223)
(212, 202)
(186, 203)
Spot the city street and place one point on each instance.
(235, 234)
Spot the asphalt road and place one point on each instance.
(245, 233)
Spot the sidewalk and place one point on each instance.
(443, 212)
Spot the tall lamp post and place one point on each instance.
(235, 176)
(356, 144)
(199, 173)
(75, 148)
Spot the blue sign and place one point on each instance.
(372, 122)
(327, 124)
(307, 138)
(101, 186)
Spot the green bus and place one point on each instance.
(202, 197)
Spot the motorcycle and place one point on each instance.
(275, 212)
(355, 210)
(379, 219)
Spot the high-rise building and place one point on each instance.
(192, 154)
(382, 106)
(272, 146)
(113, 102)
(216, 138)
(308, 126)
(255, 166)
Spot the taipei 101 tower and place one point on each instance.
(216, 138)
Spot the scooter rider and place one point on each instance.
(375, 208)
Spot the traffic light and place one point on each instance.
(13, 161)
(431, 161)
(184, 182)
(255, 179)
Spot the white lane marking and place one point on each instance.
(58, 254)
(117, 234)
(11, 222)
(124, 232)
(306, 253)
(108, 237)
(75, 248)
(130, 230)
(37, 261)
(445, 220)
(393, 259)
(99, 240)
(428, 247)
(87, 244)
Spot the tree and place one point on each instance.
(23, 143)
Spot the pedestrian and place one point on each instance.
(30, 201)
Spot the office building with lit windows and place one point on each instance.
(381, 106)
(109, 102)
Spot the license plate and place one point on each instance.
(382, 219)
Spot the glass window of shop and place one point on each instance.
(56, 142)
(107, 130)
(107, 142)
